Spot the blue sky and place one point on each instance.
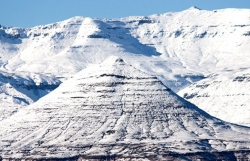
(29, 13)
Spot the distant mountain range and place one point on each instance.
(203, 55)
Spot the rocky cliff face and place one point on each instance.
(113, 109)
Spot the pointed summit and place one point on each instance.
(112, 60)
(113, 65)
(114, 109)
(193, 8)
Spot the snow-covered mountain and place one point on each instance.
(179, 48)
(22, 89)
(225, 95)
(113, 109)
(64, 48)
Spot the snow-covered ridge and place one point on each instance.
(113, 109)
(225, 96)
(179, 48)
(22, 89)
(191, 42)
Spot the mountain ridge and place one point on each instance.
(225, 96)
(115, 109)
(179, 48)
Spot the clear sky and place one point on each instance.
(29, 13)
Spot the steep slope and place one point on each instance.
(21, 89)
(114, 109)
(223, 95)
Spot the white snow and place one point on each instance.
(110, 105)
(21, 89)
(224, 95)
(178, 48)
(173, 45)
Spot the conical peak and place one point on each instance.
(119, 60)
(117, 105)
(194, 8)
(112, 66)
(113, 60)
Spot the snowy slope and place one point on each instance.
(115, 109)
(224, 95)
(21, 89)
(173, 46)
(179, 48)
(204, 41)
